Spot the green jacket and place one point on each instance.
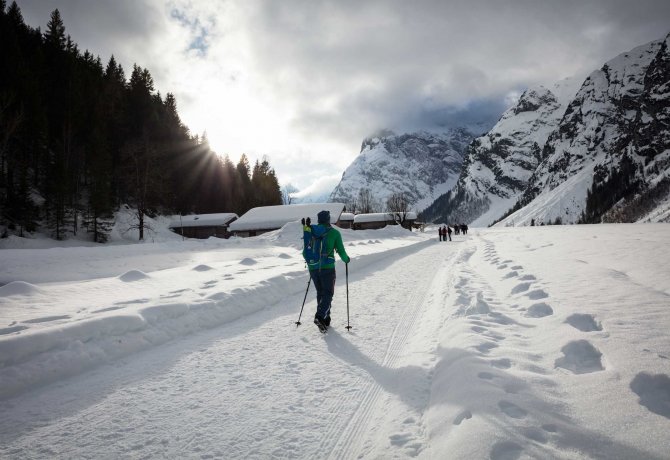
(333, 242)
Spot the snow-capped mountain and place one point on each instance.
(420, 165)
(498, 165)
(609, 158)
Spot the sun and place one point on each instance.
(237, 120)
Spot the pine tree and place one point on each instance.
(55, 34)
(172, 116)
(245, 200)
(100, 203)
(265, 185)
(230, 182)
(145, 178)
(15, 16)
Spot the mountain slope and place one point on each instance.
(421, 165)
(609, 158)
(499, 164)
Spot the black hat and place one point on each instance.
(323, 217)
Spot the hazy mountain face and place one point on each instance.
(420, 165)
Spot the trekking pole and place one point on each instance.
(298, 323)
(346, 271)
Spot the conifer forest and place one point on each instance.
(79, 138)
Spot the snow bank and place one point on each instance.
(18, 288)
(49, 348)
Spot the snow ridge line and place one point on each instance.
(36, 358)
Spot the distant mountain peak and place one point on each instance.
(422, 165)
(533, 99)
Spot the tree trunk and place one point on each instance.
(140, 217)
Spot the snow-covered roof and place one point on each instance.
(272, 217)
(380, 217)
(346, 216)
(203, 220)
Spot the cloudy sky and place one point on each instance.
(304, 81)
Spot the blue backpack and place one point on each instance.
(315, 248)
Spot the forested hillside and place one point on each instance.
(78, 139)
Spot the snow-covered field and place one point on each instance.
(536, 342)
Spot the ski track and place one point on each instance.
(407, 307)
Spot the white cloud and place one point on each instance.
(320, 187)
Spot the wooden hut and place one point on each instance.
(346, 220)
(203, 225)
(378, 220)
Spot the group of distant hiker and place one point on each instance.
(445, 231)
(461, 228)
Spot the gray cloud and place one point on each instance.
(327, 73)
(380, 60)
(126, 28)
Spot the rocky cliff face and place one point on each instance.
(498, 165)
(420, 165)
(609, 157)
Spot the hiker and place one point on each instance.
(439, 230)
(444, 233)
(325, 240)
(449, 232)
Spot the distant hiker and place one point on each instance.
(321, 242)
(449, 232)
(464, 229)
(439, 230)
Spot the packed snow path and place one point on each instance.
(497, 345)
(259, 387)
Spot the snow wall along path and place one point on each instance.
(36, 358)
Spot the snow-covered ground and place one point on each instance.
(535, 342)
